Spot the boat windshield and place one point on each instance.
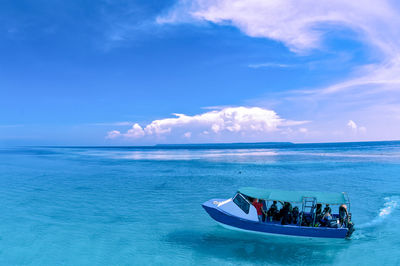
(242, 203)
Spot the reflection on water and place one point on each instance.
(251, 248)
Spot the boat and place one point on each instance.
(238, 213)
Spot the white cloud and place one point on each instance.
(293, 22)
(369, 79)
(135, 132)
(113, 134)
(351, 124)
(231, 121)
(301, 25)
(369, 90)
(356, 128)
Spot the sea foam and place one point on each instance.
(391, 205)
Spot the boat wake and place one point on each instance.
(391, 205)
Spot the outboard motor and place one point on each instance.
(350, 226)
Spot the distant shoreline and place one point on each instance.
(240, 145)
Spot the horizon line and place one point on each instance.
(205, 144)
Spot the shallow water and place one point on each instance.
(121, 206)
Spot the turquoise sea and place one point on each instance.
(142, 206)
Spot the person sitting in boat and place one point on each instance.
(286, 213)
(318, 211)
(272, 211)
(326, 219)
(343, 214)
(327, 209)
(295, 215)
(259, 207)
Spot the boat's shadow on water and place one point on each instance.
(238, 246)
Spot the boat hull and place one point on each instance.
(234, 222)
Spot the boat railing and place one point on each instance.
(308, 203)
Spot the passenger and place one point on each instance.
(327, 209)
(326, 219)
(259, 207)
(290, 207)
(272, 211)
(295, 215)
(318, 214)
(285, 213)
(343, 214)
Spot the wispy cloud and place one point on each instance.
(216, 107)
(233, 122)
(269, 65)
(301, 25)
(122, 123)
(368, 91)
(11, 126)
(292, 22)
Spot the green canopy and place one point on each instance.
(294, 196)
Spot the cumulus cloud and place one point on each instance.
(230, 121)
(135, 132)
(355, 128)
(351, 124)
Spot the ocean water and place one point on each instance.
(142, 206)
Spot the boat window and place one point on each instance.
(242, 203)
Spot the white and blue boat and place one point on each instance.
(238, 213)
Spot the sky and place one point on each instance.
(122, 72)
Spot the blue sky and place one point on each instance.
(116, 72)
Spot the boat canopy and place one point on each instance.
(295, 196)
